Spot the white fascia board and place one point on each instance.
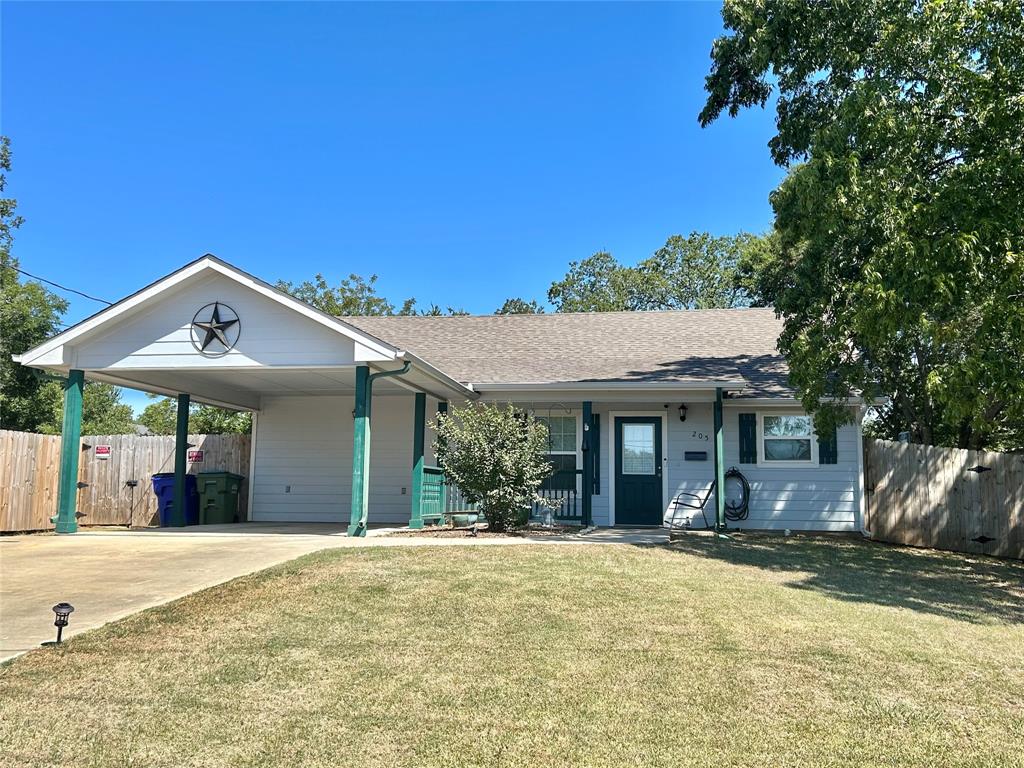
(370, 346)
(56, 358)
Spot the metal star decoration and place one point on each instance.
(214, 328)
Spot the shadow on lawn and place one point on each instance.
(965, 587)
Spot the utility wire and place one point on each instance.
(62, 287)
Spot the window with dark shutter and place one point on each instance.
(748, 438)
(828, 448)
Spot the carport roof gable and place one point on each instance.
(207, 263)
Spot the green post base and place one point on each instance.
(64, 526)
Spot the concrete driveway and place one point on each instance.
(107, 574)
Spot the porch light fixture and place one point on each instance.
(62, 611)
(682, 411)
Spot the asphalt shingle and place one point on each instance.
(671, 346)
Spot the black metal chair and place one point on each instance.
(688, 500)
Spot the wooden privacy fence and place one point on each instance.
(30, 465)
(946, 498)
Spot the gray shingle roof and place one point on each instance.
(672, 346)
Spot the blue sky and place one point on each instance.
(463, 152)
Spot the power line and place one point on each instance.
(61, 287)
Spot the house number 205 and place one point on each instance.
(699, 435)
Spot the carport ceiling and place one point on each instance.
(243, 388)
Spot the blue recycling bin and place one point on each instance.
(163, 487)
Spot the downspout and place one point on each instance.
(396, 372)
(861, 477)
(383, 375)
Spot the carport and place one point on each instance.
(214, 334)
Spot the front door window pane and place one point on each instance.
(638, 449)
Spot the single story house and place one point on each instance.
(640, 405)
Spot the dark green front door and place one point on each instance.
(638, 470)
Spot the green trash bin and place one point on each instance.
(218, 497)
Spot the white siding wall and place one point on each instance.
(819, 497)
(306, 443)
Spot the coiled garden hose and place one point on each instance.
(737, 510)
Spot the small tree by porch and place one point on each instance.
(497, 458)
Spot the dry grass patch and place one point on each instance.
(762, 652)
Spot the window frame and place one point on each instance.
(761, 459)
(577, 416)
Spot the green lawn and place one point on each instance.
(754, 652)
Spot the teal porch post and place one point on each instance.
(361, 455)
(178, 517)
(588, 464)
(71, 434)
(719, 463)
(442, 410)
(361, 445)
(418, 429)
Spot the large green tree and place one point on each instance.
(601, 284)
(103, 413)
(356, 295)
(900, 267)
(517, 306)
(29, 313)
(698, 271)
(160, 417)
